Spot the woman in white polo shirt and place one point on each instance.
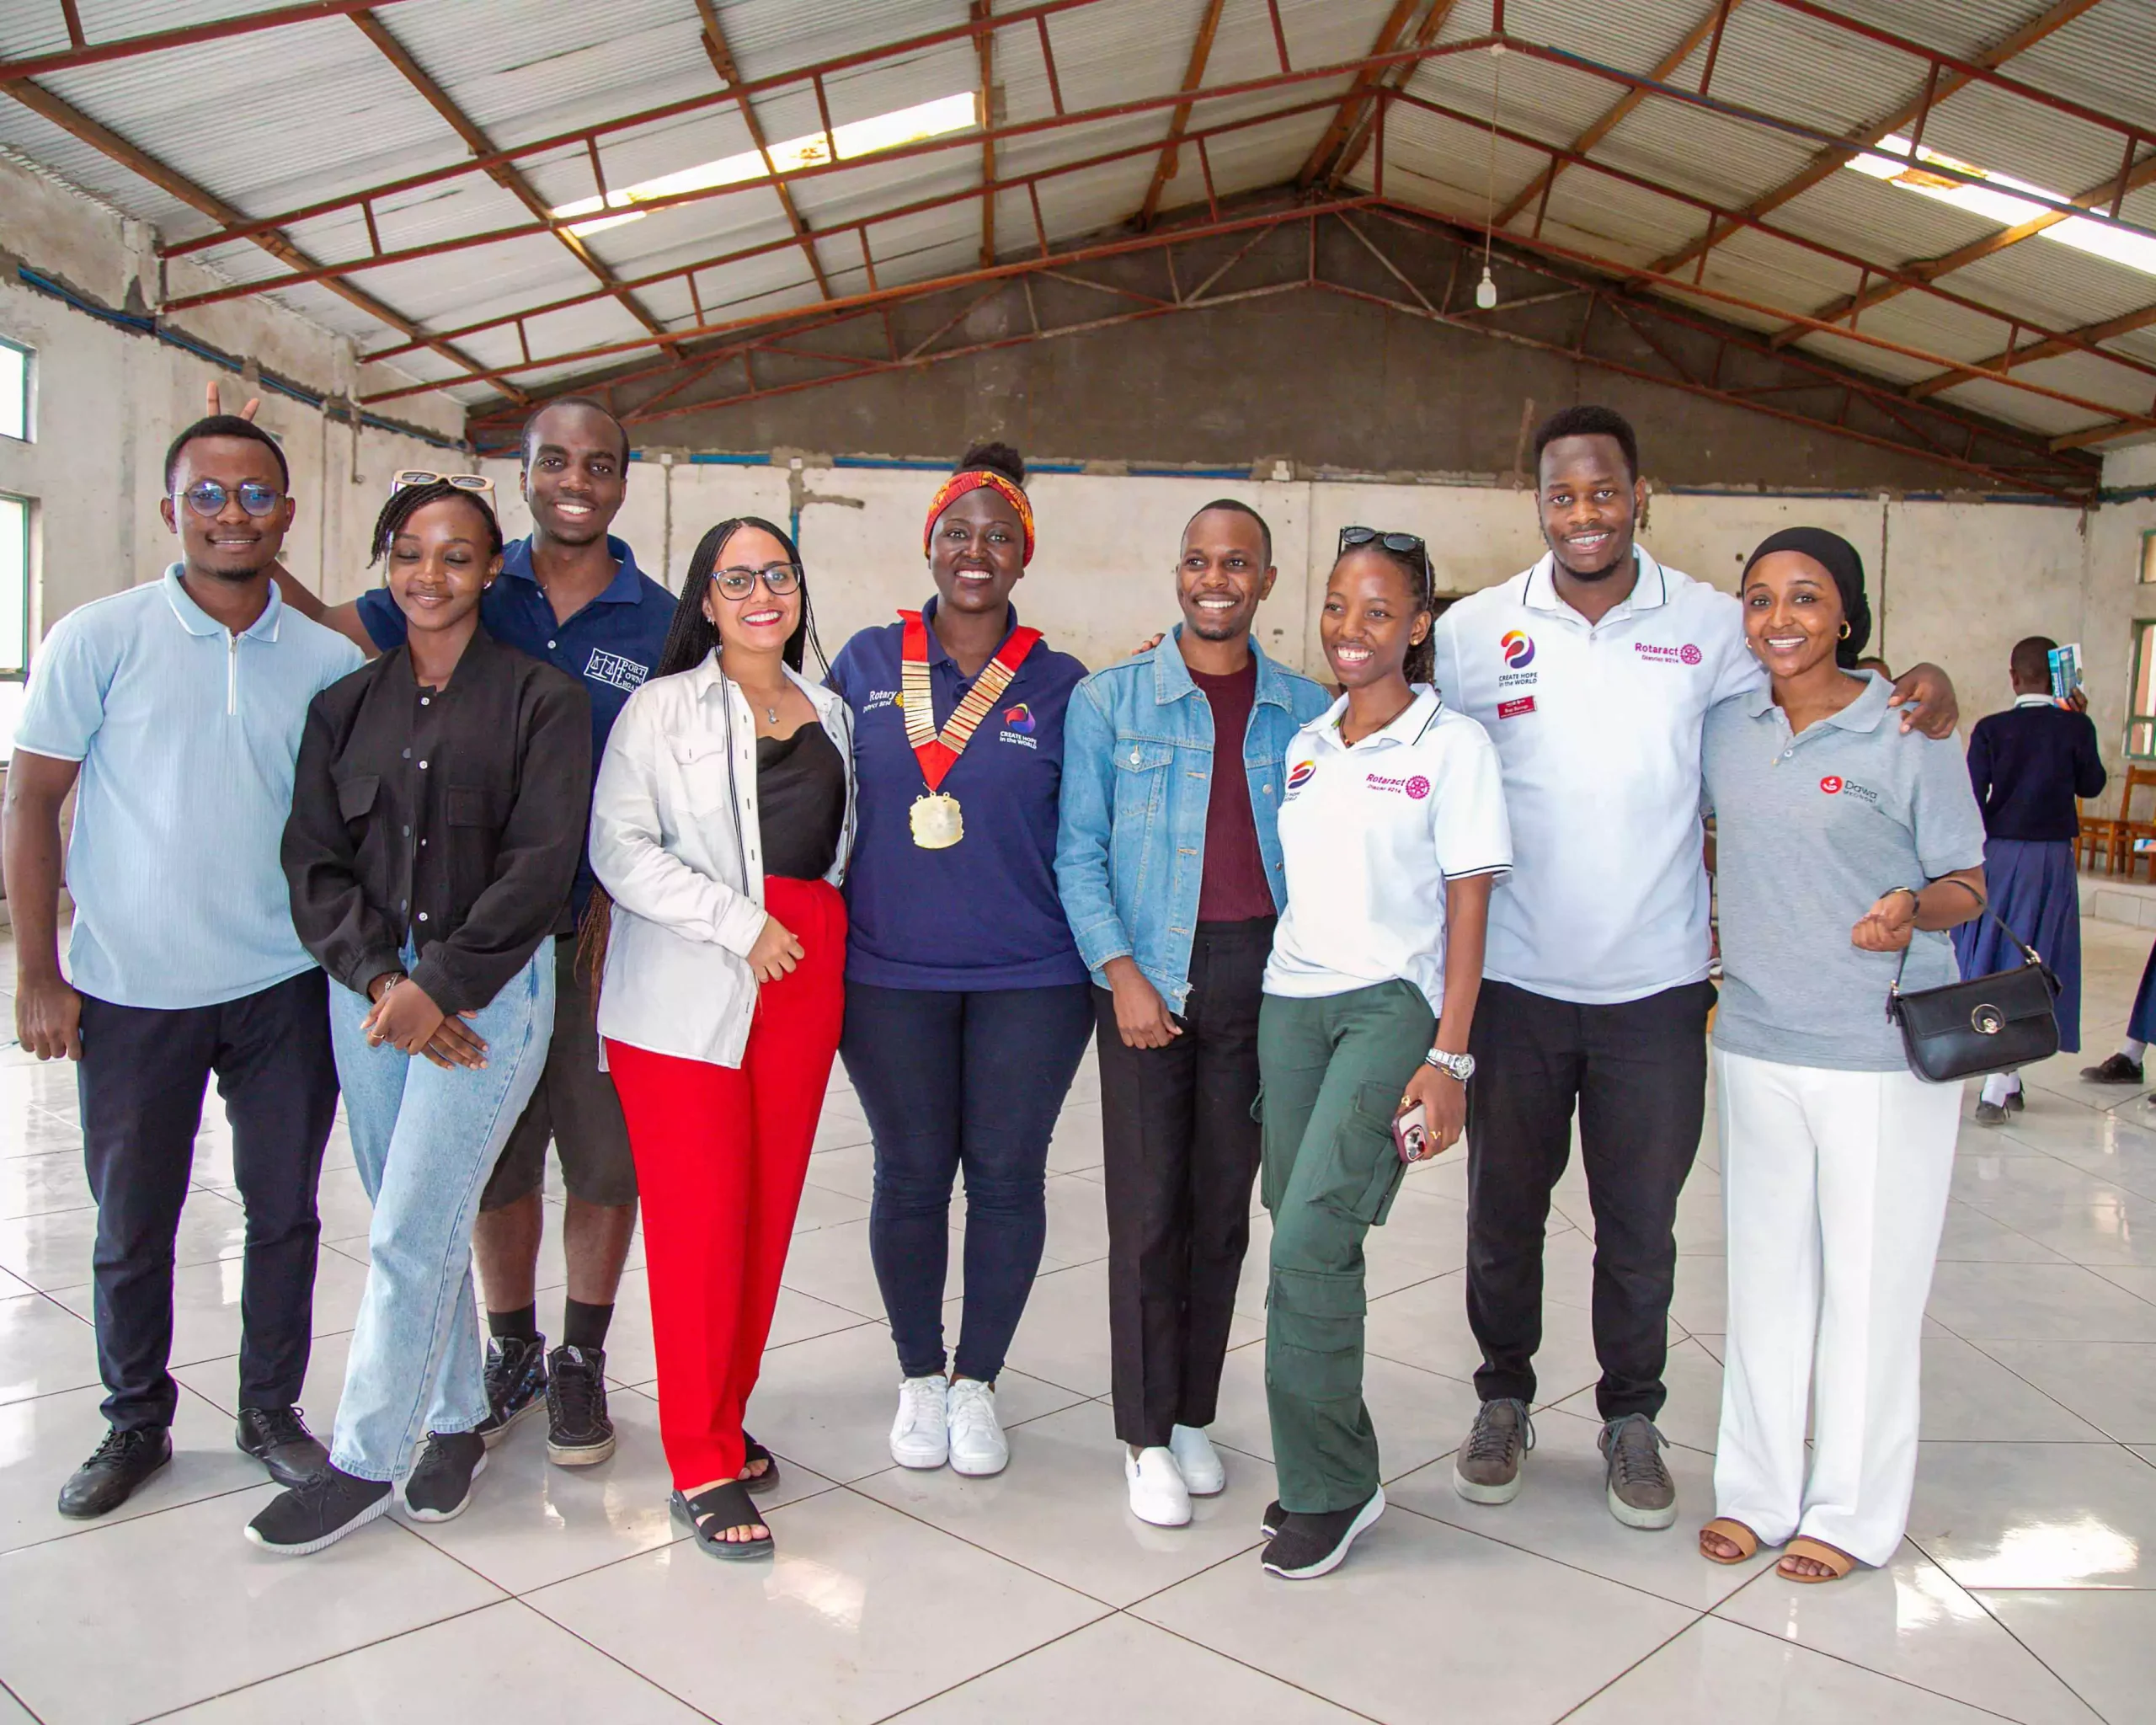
(1393, 831)
(1846, 847)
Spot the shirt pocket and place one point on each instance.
(472, 817)
(701, 759)
(356, 795)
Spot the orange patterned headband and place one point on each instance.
(958, 484)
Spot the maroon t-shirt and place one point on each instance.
(1234, 888)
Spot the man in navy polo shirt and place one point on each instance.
(573, 596)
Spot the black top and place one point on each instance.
(2028, 765)
(454, 816)
(800, 803)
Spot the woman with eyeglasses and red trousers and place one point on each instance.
(720, 826)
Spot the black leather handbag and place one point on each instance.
(1982, 1024)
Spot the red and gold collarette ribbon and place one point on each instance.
(958, 484)
(938, 754)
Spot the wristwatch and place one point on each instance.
(1460, 1067)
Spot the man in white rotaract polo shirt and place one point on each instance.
(1592, 671)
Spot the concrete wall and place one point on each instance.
(108, 400)
(1956, 583)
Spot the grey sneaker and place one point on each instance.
(1486, 1468)
(1642, 1493)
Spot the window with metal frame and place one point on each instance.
(2140, 716)
(16, 515)
(15, 361)
(2148, 557)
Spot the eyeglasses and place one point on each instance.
(420, 476)
(780, 579)
(207, 498)
(1406, 543)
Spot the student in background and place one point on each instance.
(2027, 765)
(174, 711)
(2124, 1066)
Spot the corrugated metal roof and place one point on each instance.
(276, 120)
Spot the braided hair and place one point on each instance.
(398, 512)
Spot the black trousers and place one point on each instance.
(141, 1082)
(1182, 1152)
(1637, 1072)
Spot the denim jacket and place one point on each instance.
(1137, 774)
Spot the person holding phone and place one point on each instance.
(719, 833)
(1393, 831)
(438, 814)
(1845, 847)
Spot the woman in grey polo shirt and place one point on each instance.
(1845, 840)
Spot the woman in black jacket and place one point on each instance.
(438, 814)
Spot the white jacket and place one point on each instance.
(677, 842)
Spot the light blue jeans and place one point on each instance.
(425, 1140)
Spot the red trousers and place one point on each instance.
(721, 1154)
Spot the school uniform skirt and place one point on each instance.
(2034, 890)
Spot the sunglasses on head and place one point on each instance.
(1406, 543)
(420, 476)
(207, 498)
(780, 579)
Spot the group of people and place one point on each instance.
(520, 847)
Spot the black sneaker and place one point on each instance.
(2015, 1102)
(516, 1383)
(1271, 1521)
(115, 1468)
(1310, 1545)
(2117, 1068)
(278, 1438)
(439, 1488)
(579, 1433)
(310, 1517)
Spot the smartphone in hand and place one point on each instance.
(1411, 1134)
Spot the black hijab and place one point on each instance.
(1841, 560)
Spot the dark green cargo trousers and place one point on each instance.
(1333, 1071)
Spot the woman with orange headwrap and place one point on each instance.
(968, 1008)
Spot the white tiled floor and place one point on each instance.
(2026, 1589)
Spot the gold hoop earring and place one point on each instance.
(1845, 634)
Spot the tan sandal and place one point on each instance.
(1839, 1562)
(1737, 1533)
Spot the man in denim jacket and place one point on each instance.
(1171, 875)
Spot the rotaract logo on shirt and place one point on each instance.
(1518, 648)
(1686, 654)
(1018, 726)
(1300, 774)
(1414, 789)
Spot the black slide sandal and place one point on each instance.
(711, 1514)
(767, 1481)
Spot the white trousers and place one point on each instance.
(1834, 1185)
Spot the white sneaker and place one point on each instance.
(977, 1444)
(1157, 1492)
(1198, 1462)
(919, 1436)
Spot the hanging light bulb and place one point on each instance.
(1486, 291)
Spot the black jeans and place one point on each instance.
(949, 1081)
(141, 1082)
(1182, 1152)
(1638, 1072)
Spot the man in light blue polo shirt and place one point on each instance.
(173, 710)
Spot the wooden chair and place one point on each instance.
(2126, 830)
(2092, 848)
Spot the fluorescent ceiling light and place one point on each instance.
(861, 137)
(2134, 250)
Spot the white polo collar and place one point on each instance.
(2033, 701)
(1405, 731)
(1650, 589)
